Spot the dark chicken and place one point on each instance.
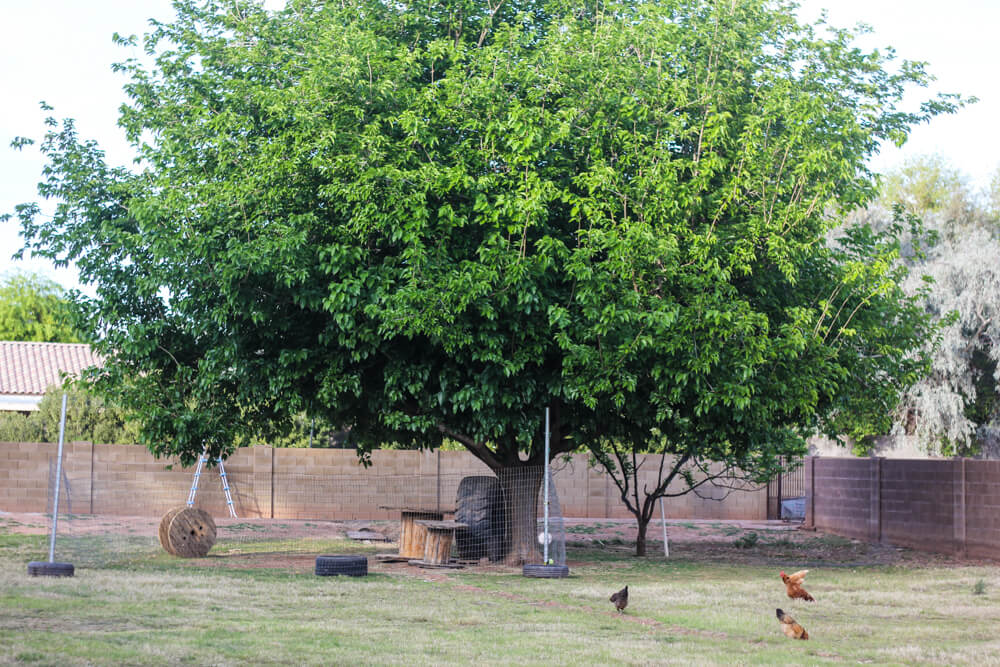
(620, 599)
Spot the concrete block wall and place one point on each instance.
(917, 504)
(943, 505)
(312, 484)
(25, 474)
(981, 509)
(841, 496)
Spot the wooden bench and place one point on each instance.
(437, 545)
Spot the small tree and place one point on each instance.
(738, 431)
(653, 471)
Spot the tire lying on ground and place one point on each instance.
(46, 569)
(479, 505)
(331, 566)
(545, 571)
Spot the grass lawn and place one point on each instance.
(156, 609)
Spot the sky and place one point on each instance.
(61, 51)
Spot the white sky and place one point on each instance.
(60, 51)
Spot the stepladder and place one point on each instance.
(202, 460)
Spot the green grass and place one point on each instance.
(162, 610)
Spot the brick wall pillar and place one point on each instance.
(263, 480)
(809, 471)
(875, 514)
(78, 466)
(958, 468)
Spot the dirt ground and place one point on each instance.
(733, 542)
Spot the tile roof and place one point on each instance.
(30, 368)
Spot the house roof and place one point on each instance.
(30, 368)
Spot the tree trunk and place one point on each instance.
(640, 537)
(520, 485)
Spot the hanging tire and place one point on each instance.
(46, 569)
(479, 505)
(545, 571)
(331, 566)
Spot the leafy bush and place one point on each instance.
(87, 418)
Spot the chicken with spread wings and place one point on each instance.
(793, 586)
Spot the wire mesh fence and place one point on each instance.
(483, 521)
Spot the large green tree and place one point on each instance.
(35, 309)
(434, 221)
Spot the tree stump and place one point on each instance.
(191, 533)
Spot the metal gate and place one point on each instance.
(787, 485)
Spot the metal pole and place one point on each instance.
(663, 522)
(55, 505)
(439, 479)
(545, 539)
(312, 425)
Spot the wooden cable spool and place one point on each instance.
(165, 528)
(438, 541)
(190, 532)
(412, 535)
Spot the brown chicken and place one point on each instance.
(793, 585)
(620, 599)
(790, 627)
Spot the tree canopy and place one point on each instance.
(35, 309)
(429, 222)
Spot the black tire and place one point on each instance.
(479, 505)
(46, 569)
(546, 571)
(331, 566)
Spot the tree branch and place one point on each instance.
(479, 450)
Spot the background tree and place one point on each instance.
(34, 308)
(88, 418)
(429, 222)
(954, 410)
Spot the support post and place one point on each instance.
(55, 504)
(958, 503)
(545, 539)
(875, 509)
(91, 477)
